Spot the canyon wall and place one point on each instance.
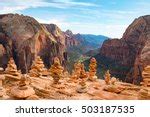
(24, 38)
(127, 56)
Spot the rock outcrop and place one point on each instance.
(107, 77)
(146, 77)
(23, 38)
(126, 57)
(77, 70)
(82, 88)
(11, 72)
(22, 91)
(92, 69)
(60, 37)
(56, 70)
(144, 94)
(38, 69)
(70, 39)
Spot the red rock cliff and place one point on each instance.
(23, 38)
(130, 53)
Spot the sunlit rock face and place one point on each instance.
(146, 77)
(23, 38)
(130, 54)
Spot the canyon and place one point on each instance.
(24, 38)
(126, 57)
(40, 61)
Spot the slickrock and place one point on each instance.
(45, 88)
(56, 70)
(42, 94)
(94, 90)
(1, 87)
(144, 94)
(92, 69)
(146, 77)
(2, 78)
(66, 92)
(112, 88)
(1, 91)
(11, 72)
(38, 69)
(129, 93)
(82, 87)
(33, 97)
(22, 91)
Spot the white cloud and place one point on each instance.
(7, 9)
(59, 22)
(9, 6)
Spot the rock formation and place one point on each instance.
(112, 88)
(38, 68)
(113, 80)
(126, 57)
(56, 70)
(24, 38)
(76, 72)
(146, 76)
(1, 88)
(60, 37)
(23, 91)
(80, 44)
(144, 94)
(82, 88)
(92, 69)
(107, 77)
(1, 70)
(1, 91)
(11, 71)
(85, 42)
(71, 41)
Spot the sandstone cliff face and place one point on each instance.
(131, 52)
(56, 32)
(86, 41)
(24, 38)
(60, 37)
(3, 56)
(70, 39)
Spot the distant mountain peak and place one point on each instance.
(69, 32)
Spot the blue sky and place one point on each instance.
(105, 17)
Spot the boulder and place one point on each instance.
(22, 93)
(112, 88)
